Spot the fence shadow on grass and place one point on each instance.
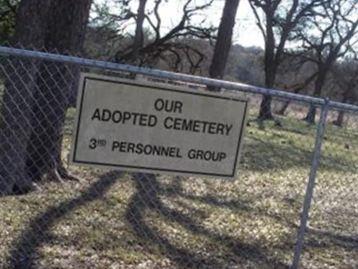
(24, 251)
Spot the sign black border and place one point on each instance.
(153, 87)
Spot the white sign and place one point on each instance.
(147, 127)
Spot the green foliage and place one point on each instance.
(7, 19)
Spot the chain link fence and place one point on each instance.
(332, 232)
(56, 215)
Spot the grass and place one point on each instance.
(120, 220)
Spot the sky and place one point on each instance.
(246, 33)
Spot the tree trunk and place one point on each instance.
(56, 83)
(18, 98)
(346, 96)
(296, 89)
(224, 39)
(37, 94)
(340, 118)
(282, 110)
(311, 115)
(270, 71)
(139, 36)
(132, 56)
(265, 106)
(15, 126)
(44, 148)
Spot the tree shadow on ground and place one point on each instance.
(25, 249)
(315, 238)
(146, 198)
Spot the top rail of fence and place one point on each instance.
(235, 86)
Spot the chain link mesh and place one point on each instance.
(79, 217)
(332, 233)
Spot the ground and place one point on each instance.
(113, 219)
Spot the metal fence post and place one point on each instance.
(311, 184)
